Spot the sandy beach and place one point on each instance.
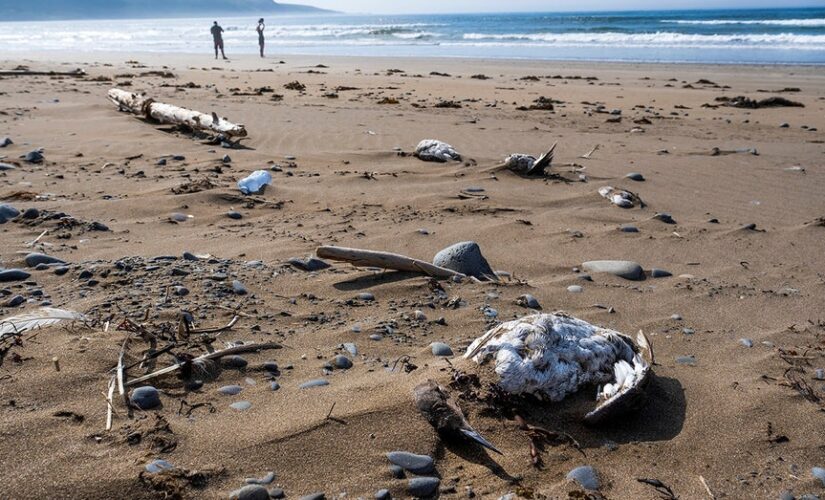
(734, 411)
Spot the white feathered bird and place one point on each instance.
(555, 355)
(433, 150)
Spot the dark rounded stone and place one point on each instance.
(251, 492)
(239, 288)
(234, 215)
(85, 274)
(423, 486)
(7, 275)
(15, 301)
(190, 256)
(33, 259)
(310, 264)
(397, 471)
(145, 398)
(314, 383)
(366, 297)
(660, 273)
(314, 496)
(383, 495)
(342, 362)
(277, 493)
(31, 213)
(181, 291)
(230, 390)
(8, 212)
(34, 157)
(441, 349)
(60, 271)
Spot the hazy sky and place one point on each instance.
(418, 6)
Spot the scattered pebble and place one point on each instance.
(230, 390)
(622, 268)
(250, 492)
(528, 301)
(417, 464)
(586, 476)
(660, 273)
(145, 398)
(423, 486)
(686, 360)
(465, 258)
(819, 473)
(34, 259)
(441, 349)
(575, 289)
(342, 362)
(241, 405)
(233, 214)
(635, 176)
(314, 383)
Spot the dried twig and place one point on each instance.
(707, 488)
(213, 355)
(661, 488)
(587, 155)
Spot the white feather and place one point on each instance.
(43, 317)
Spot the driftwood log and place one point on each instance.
(384, 260)
(27, 72)
(174, 115)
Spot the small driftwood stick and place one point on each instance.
(385, 260)
(174, 115)
(110, 403)
(213, 355)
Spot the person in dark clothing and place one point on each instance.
(260, 29)
(217, 37)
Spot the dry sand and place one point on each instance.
(731, 418)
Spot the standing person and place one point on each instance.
(217, 37)
(260, 29)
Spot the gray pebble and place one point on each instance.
(676, 317)
(351, 348)
(417, 464)
(230, 390)
(60, 271)
(366, 297)
(33, 259)
(15, 301)
(686, 360)
(314, 383)
(274, 386)
(586, 476)
(310, 264)
(465, 258)
(575, 289)
(314, 496)
(250, 492)
(342, 362)
(397, 471)
(441, 349)
(382, 495)
(623, 268)
(528, 301)
(635, 176)
(6, 141)
(239, 288)
(7, 212)
(423, 486)
(784, 125)
(629, 229)
(660, 273)
(232, 214)
(819, 473)
(180, 291)
(145, 398)
(30, 213)
(6, 166)
(34, 157)
(277, 493)
(178, 217)
(226, 159)
(241, 405)
(665, 217)
(267, 479)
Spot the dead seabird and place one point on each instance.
(554, 355)
(529, 165)
(433, 150)
(620, 197)
(443, 413)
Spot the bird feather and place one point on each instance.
(43, 317)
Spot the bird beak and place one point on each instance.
(475, 436)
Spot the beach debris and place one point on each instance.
(41, 318)
(173, 115)
(25, 71)
(620, 197)
(585, 476)
(529, 165)
(465, 258)
(255, 183)
(622, 268)
(384, 260)
(555, 355)
(437, 151)
(590, 153)
(444, 414)
(741, 101)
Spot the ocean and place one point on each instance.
(774, 36)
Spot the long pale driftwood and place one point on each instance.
(27, 72)
(213, 355)
(385, 260)
(174, 115)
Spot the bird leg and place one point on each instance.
(539, 437)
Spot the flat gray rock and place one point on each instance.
(423, 486)
(6, 166)
(230, 390)
(156, 466)
(635, 176)
(241, 405)
(34, 259)
(310, 264)
(7, 212)
(314, 383)
(417, 464)
(623, 268)
(575, 289)
(586, 476)
(660, 273)
(251, 492)
(465, 258)
(441, 349)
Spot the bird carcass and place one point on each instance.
(554, 355)
(174, 115)
(529, 165)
